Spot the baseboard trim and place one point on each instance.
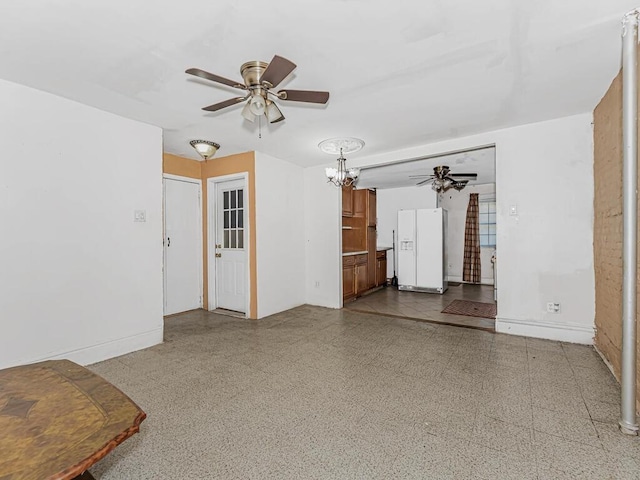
(606, 361)
(113, 348)
(483, 281)
(562, 332)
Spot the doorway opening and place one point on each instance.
(406, 186)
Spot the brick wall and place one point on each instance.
(607, 228)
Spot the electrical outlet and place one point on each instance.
(553, 307)
(317, 284)
(139, 215)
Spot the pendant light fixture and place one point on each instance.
(205, 148)
(341, 176)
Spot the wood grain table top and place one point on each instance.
(58, 418)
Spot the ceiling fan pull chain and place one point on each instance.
(260, 126)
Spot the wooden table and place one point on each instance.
(58, 418)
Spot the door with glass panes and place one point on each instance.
(231, 246)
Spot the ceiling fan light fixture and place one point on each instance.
(460, 185)
(257, 104)
(205, 148)
(273, 113)
(246, 113)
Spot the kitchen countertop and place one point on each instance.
(362, 252)
(355, 252)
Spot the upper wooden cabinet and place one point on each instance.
(347, 201)
(364, 205)
(371, 208)
(360, 203)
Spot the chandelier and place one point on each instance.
(341, 176)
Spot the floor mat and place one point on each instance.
(471, 309)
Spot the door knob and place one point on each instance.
(218, 255)
(218, 245)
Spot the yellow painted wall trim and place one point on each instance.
(183, 167)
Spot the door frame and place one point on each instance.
(180, 178)
(212, 191)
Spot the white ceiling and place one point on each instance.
(401, 73)
(480, 161)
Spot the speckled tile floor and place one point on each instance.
(320, 393)
(427, 306)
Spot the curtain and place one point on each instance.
(471, 265)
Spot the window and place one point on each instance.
(487, 220)
(233, 212)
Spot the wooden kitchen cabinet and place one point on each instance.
(347, 201)
(355, 276)
(348, 278)
(372, 241)
(362, 274)
(371, 208)
(381, 268)
(359, 272)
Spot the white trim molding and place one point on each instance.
(563, 332)
(212, 186)
(181, 178)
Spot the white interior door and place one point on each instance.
(182, 246)
(231, 245)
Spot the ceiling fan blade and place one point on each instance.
(419, 176)
(424, 182)
(309, 96)
(214, 78)
(465, 175)
(227, 103)
(279, 68)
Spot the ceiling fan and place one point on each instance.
(259, 78)
(442, 179)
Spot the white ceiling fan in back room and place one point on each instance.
(442, 179)
(259, 78)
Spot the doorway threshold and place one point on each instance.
(229, 313)
(427, 320)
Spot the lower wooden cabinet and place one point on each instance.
(355, 276)
(348, 282)
(381, 268)
(362, 278)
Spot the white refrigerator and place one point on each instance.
(422, 250)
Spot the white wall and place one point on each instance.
(545, 253)
(456, 203)
(323, 239)
(280, 245)
(79, 279)
(389, 201)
